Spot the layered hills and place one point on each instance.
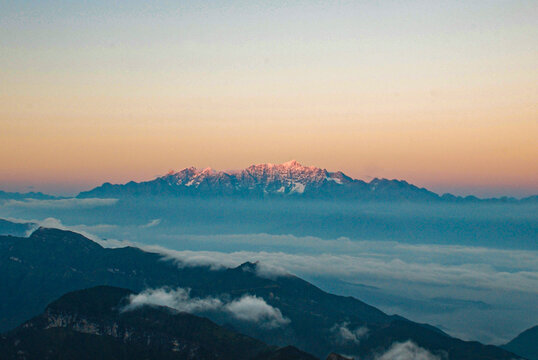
(276, 308)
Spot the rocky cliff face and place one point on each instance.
(115, 329)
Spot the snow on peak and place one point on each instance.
(292, 163)
(208, 170)
(286, 178)
(297, 188)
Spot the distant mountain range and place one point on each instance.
(4, 195)
(49, 263)
(287, 180)
(91, 324)
(16, 229)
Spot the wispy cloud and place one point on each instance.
(343, 334)
(375, 267)
(440, 265)
(60, 203)
(86, 230)
(152, 223)
(387, 249)
(247, 308)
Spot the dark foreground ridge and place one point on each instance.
(90, 324)
(51, 262)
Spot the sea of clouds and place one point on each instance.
(444, 285)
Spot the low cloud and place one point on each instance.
(407, 351)
(374, 267)
(372, 261)
(247, 308)
(60, 203)
(343, 334)
(218, 261)
(272, 272)
(438, 265)
(404, 275)
(152, 223)
(85, 230)
(465, 266)
(188, 258)
(255, 309)
(268, 271)
(178, 299)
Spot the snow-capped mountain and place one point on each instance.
(289, 179)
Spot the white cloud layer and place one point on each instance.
(474, 275)
(504, 279)
(439, 265)
(247, 308)
(379, 249)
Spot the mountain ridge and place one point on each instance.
(95, 318)
(525, 344)
(5, 195)
(51, 262)
(287, 180)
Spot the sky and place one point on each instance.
(443, 94)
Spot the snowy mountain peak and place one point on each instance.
(261, 180)
(292, 163)
(287, 178)
(208, 170)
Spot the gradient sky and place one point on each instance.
(443, 94)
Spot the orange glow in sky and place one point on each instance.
(444, 96)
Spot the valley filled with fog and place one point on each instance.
(469, 268)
